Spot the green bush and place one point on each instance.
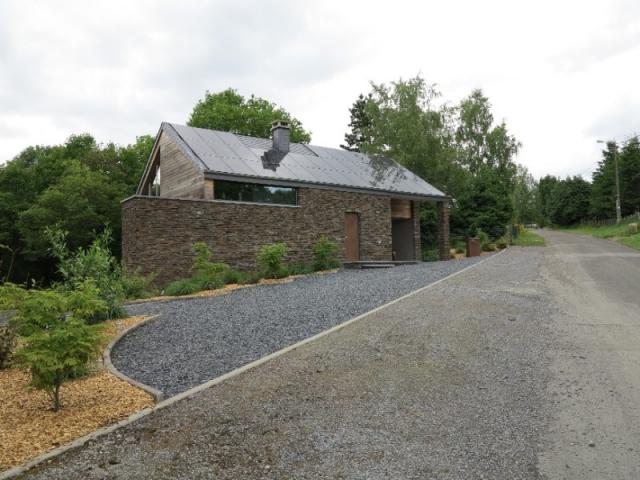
(430, 255)
(56, 342)
(233, 276)
(460, 250)
(135, 285)
(7, 344)
(96, 263)
(186, 286)
(301, 269)
(42, 310)
(501, 244)
(250, 278)
(484, 240)
(58, 354)
(271, 260)
(206, 275)
(211, 275)
(325, 254)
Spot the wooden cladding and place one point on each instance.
(400, 209)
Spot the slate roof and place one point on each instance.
(230, 156)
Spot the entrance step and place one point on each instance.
(377, 263)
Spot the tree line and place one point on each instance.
(564, 202)
(78, 186)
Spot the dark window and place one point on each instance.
(253, 192)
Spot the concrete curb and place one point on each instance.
(15, 471)
(157, 395)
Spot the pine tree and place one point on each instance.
(360, 121)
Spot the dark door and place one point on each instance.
(352, 237)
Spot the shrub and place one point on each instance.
(501, 244)
(206, 275)
(301, 269)
(460, 250)
(96, 263)
(271, 260)
(135, 285)
(7, 344)
(484, 240)
(58, 354)
(186, 286)
(210, 275)
(325, 253)
(233, 276)
(250, 278)
(430, 255)
(43, 310)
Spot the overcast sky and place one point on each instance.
(562, 74)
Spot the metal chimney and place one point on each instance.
(280, 135)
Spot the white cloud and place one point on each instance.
(562, 74)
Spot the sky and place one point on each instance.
(561, 74)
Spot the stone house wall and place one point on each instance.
(158, 232)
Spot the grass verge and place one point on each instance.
(619, 233)
(527, 238)
(28, 426)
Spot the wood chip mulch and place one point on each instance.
(28, 426)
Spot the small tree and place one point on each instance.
(57, 344)
(59, 354)
(325, 253)
(96, 263)
(271, 259)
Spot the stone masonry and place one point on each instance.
(444, 246)
(158, 232)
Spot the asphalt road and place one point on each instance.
(525, 367)
(595, 382)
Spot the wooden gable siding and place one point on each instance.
(400, 209)
(179, 177)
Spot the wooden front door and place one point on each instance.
(352, 237)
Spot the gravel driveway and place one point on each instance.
(196, 340)
(448, 384)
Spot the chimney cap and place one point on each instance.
(279, 124)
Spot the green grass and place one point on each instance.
(619, 232)
(601, 231)
(528, 239)
(632, 241)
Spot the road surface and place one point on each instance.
(527, 366)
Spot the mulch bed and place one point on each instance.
(28, 426)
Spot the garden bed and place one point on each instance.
(28, 426)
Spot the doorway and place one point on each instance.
(402, 230)
(352, 237)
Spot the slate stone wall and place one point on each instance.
(157, 232)
(444, 245)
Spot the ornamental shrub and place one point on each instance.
(271, 260)
(43, 310)
(325, 254)
(210, 275)
(59, 354)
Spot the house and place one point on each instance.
(238, 193)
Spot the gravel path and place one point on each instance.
(448, 384)
(196, 340)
